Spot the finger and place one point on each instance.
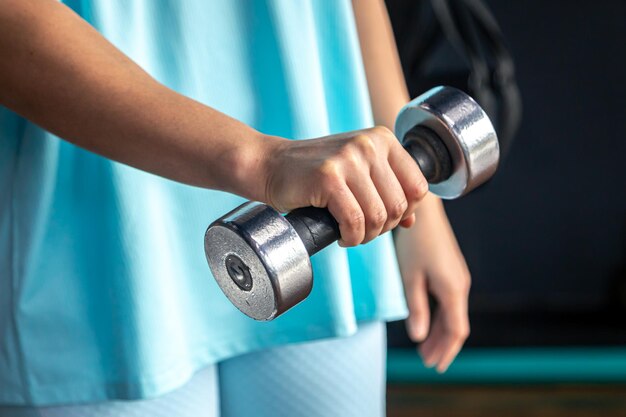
(430, 349)
(418, 322)
(372, 206)
(391, 193)
(410, 177)
(345, 209)
(448, 356)
(408, 221)
(455, 320)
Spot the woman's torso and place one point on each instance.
(104, 289)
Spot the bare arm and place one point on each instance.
(429, 257)
(386, 83)
(59, 72)
(387, 87)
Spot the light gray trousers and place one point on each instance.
(336, 377)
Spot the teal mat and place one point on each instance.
(515, 365)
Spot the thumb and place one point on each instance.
(408, 221)
(418, 322)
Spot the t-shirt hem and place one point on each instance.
(178, 375)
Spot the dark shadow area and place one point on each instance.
(546, 238)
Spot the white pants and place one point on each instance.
(336, 377)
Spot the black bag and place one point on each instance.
(484, 65)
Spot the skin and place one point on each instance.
(60, 73)
(428, 254)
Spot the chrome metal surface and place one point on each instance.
(272, 251)
(257, 257)
(466, 131)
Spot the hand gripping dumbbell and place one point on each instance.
(261, 259)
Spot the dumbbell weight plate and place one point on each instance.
(451, 114)
(256, 254)
(249, 230)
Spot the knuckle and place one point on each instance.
(398, 209)
(462, 332)
(459, 330)
(377, 219)
(348, 154)
(364, 144)
(353, 226)
(382, 131)
(354, 220)
(329, 172)
(416, 190)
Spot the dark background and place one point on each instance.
(546, 238)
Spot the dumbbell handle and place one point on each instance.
(316, 226)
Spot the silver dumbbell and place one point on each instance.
(261, 259)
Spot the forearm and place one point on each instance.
(386, 83)
(428, 255)
(59, 72)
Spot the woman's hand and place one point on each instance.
(432, 263)
(60, 73)
(367, 180)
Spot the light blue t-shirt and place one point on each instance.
(105, 292)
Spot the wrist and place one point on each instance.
(252, 164)
(430, 204)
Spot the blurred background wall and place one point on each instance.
(546, 238)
